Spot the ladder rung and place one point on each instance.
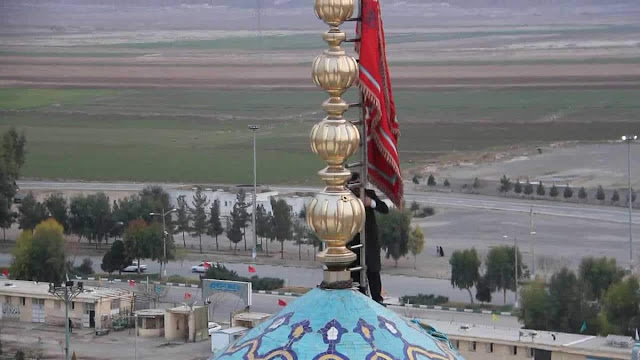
(354, 19)
(354, 165)
(356, 247)
(352, 40)
(357, 268)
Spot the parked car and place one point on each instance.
(134, 267)
(201, 268)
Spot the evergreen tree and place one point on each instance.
(198, 212)
(505, 184)
(517, 188)
(540, 189)
(582, 193)
(615, 197)
(554, 192)
(431, 181)
(234, 228)
(282, 222)
(446, 183)
(528, 188)
(215, 226)
(184, 218)
(241, 202)
(568, 192)
(600, 193)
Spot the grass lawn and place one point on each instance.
(201, 135)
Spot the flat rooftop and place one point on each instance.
(575, 343)
(41, 291)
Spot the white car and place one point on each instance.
(201, 268)
(134, 267)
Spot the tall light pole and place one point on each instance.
(66, 292)
(254, 128)
(628, 139)
(532, 234)
(164, 236)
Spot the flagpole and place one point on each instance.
(364, 179)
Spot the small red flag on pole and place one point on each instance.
(132, 283)
(252, 269)
(187, 296)
(5, 273)
(282, 302)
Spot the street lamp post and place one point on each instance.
(628, 139)
(254, 128)
(164, 236)
(66, 293)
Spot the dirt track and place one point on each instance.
(52, 72)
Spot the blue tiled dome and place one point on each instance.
(338, 325)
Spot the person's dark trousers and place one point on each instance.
(375, 286)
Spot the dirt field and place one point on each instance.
(63, 72)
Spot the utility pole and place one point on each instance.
(66, 293)
(254, 128)
(532, 234)
(515, 254)
(628, 139)
(164, 237)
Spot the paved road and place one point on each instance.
(394, 285)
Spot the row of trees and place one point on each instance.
(529, 189)
(598, 300)
(12, 155)
(93, 216)
(500, 273)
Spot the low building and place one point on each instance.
(150, 322)
(247, 319)
(30, 301)
(485, 342)
(186, 323)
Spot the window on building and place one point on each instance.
(514, 350)
(115, 304)
(87, 307)
(489, 347)
(37, 301)
(7, 300)
(457, 344)
(531, 352)
(73, 305)
(472, 346)
(24, 301)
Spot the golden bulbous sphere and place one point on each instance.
(334, 73)
(335, 140)
(334, 12)
(336, 217)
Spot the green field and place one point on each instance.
(201, 135)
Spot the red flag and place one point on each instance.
(187, 296)
(282, 302)
(380, 110)
(252, 269)
(132, 283)
(5, 273)
(207, 265)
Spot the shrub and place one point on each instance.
(86, 268)
(267, 283)
(476, 183)
(554, 191)
(600, 193)
(416, 179)
(221, 272)
(431, 181)
(528, 188)
(447, 183)
(582, 193)
(540, 189)
(422, 299)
